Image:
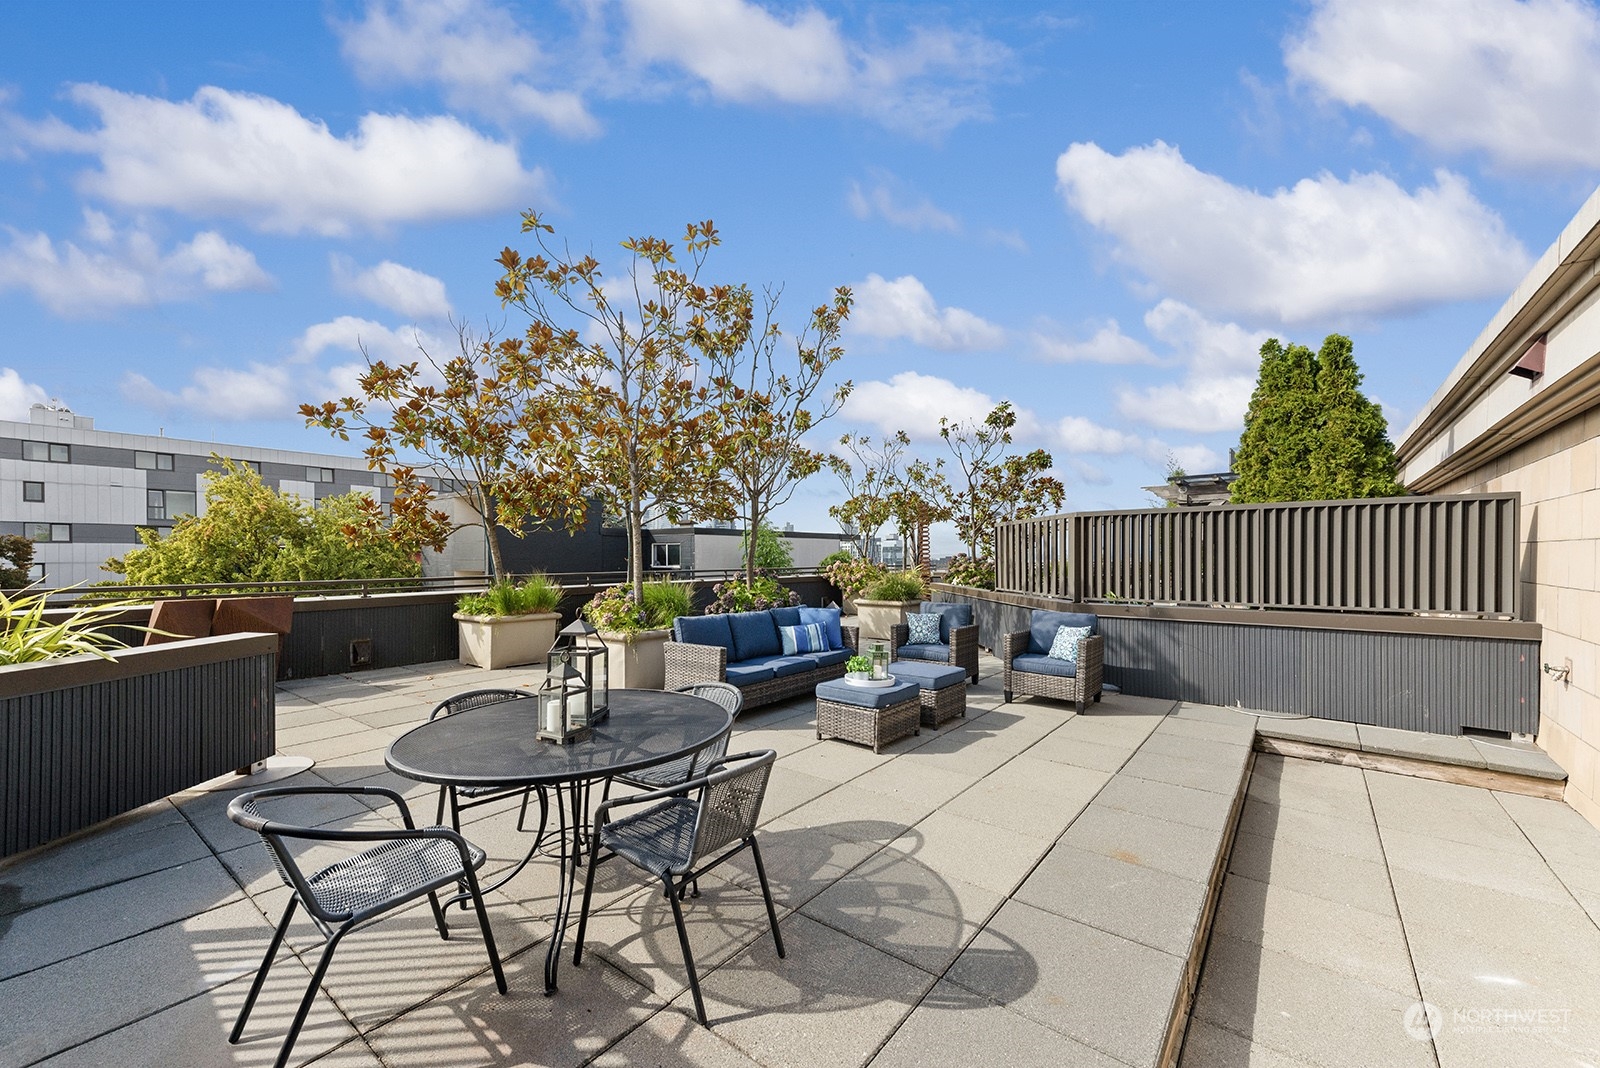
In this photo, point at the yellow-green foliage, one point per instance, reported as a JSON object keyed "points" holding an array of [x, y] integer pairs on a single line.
{"points": [[29, 636]]}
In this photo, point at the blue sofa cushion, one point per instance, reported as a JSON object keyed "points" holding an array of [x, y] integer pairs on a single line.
{"points": [[937, 653], [829, 658], [787, 616], [782, 666], [867, 696], [952, 616], [747, 674], [1039, 664], [927, 676], [1043, 626], [829, 618], [754, 635], [704, 630]]}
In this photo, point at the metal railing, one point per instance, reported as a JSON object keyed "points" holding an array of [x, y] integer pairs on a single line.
{"points": [[1455, 554]]}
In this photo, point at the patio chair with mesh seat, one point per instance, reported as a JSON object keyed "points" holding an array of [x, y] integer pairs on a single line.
{"points": [[713, 816], [451, 796], [676, 772], [399, 866]]}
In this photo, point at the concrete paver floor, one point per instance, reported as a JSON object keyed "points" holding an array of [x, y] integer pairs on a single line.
{"points": [[1370, 918]]}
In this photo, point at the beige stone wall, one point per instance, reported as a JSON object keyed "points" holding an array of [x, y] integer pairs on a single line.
{"points": [[1557, 476]]}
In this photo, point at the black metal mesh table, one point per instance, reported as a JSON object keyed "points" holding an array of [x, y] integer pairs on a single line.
{"points": [[495, 746]]}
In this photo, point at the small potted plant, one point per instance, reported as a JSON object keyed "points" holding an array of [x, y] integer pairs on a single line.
{"points": [[861, 670], [509, 624]]}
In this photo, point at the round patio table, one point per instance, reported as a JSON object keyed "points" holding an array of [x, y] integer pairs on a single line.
{"points": [[494, 745]]}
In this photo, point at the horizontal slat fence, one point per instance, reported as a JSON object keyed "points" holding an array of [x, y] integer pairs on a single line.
{"points": [[1398, 554]]}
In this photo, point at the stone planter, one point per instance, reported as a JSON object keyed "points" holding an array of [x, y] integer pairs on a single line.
{"points": [[507, 641], [637, 661], [879, 618]]}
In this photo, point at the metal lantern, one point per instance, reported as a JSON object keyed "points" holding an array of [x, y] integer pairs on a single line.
{"points": [[591, 661], [564, 706], [880, 661]]}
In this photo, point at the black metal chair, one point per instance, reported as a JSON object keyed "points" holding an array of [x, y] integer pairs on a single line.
{"points": [[399, 867], [483, 795], [676, 772], [683, 826]]}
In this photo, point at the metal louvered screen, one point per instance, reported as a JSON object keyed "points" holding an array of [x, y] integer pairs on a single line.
{"points": [[1400, 554]]}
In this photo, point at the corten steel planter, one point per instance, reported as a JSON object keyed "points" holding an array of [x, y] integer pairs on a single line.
{"points": [[637, 661], [879, 618], [84, 739], [507, 641]]}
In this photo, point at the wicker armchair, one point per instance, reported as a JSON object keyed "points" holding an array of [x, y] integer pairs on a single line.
{"points": [[962, 652], [1088, 671], [713, 816]]}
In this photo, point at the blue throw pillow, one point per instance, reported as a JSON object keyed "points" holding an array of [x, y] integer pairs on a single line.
{"points": [[829, 619], [806, 638], [924, 629], [1065, 646]]}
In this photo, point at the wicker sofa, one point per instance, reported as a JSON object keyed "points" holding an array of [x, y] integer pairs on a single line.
{"points": [[1029, 672], [746, 650], [958, 638]]}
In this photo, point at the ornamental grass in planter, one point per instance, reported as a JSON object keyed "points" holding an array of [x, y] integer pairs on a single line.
{"points": [[883, 605], [509, 624], [636, 630]]}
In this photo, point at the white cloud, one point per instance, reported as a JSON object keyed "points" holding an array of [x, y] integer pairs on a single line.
{"points": [[260, 392], [238, 155], [351, 334], [890, 199], [475, 51], [905, 308], [916, 402], [1198, 459], [114, 269], [1517, 80], [17, 395], [1077, 434], [1108, 345], [1220, 361], [1325, 248], [743, 53], [393, 286]]}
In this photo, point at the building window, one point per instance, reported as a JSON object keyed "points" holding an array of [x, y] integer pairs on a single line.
{"points": [[319, 474], [666, 554], [168, 504], [383, 479], [50, 531], [36, 573], [153, 461], [254, 465], [47, 451], [33, 491]]}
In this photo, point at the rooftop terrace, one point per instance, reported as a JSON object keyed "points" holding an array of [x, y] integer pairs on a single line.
{"points": [[1024, 886]]}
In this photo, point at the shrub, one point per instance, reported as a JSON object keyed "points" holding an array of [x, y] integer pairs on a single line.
{"points": [[536, 593], [765, 592], [616, 610], [666, 600], [854, 574], [897, 586], [30, 637], [965, 571]]}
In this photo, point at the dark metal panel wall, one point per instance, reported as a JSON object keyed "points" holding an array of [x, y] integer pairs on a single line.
{"points": [[418, 632], [1439, 683], [72, 757]]}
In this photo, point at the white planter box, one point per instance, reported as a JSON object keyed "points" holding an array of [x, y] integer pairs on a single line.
{"points": [[507, 641], [638, 661], [879, 618]]}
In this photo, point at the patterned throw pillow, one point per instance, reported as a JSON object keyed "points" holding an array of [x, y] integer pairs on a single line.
{"points": [[1065, 647], [806, 638], [924, 629]]}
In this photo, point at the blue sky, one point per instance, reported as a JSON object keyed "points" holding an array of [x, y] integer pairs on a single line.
{"points": [[1094, 210]]}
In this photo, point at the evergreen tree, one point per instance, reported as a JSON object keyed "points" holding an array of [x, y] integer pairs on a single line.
{"points": [[1309, 433]]}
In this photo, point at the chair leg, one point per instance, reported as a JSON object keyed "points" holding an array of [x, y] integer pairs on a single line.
{"points": [[766, 894], [311, 995], [455, 810], [261, 975], [588, 893], [438, 917], [438, 819], [1005, 697], [488, 934], [688, 957]]}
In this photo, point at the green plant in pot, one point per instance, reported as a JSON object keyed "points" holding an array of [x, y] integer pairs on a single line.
{"points": [[859, 666], [636, 629], [882, 607], [510, 623], [31, 636]]}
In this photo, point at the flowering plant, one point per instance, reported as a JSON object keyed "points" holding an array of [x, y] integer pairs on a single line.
{"points": [[737, 595], [854, 574]]}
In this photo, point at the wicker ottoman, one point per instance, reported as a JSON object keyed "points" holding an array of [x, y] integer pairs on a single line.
{"points": [[941, 689], [872, 716]]}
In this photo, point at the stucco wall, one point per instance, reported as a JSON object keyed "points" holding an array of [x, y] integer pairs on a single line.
{"points": [[1558, 475]]}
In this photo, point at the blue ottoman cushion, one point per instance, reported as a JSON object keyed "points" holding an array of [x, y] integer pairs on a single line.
{"points": [[867, 696], [927, 676]]}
